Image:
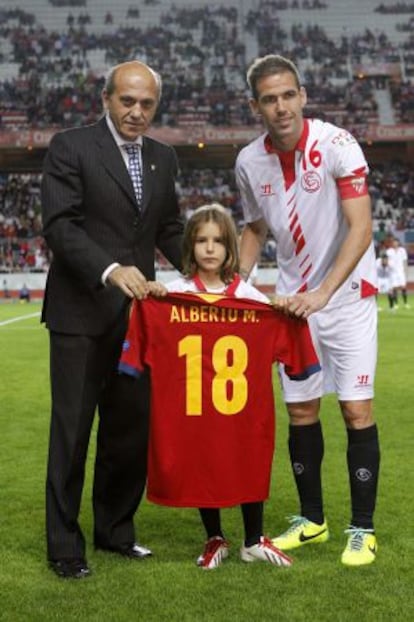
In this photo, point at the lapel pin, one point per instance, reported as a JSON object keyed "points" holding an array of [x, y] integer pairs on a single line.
{"points": [[153, 167]]}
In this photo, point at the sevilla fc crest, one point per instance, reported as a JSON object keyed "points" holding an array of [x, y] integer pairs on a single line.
{"points": [[311, 181]]}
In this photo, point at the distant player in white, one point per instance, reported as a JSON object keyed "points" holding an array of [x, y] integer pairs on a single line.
{"points": [[398, 260], [305, 181], [385, 278]]}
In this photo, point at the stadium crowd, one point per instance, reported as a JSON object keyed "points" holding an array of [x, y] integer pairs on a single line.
{"points": [[22, 247], [202, 53]]}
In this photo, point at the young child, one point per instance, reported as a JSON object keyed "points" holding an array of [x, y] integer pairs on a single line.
{"points": [[212, 412], [211, 264]]}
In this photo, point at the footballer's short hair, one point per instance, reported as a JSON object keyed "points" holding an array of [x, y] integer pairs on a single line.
{"points": [[270, 65]]}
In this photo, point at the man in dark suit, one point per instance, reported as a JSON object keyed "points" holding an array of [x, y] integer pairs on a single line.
{"points": [[103, 237]]}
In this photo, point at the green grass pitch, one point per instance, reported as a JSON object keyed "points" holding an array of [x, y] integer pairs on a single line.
{"points": [[170, 587]]}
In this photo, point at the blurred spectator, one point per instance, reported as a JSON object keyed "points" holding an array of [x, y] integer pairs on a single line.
{"points": [[6, 292], [24, 293]]}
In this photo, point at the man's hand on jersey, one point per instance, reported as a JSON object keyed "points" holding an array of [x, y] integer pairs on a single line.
{"points": [[130, 280], [157, 289], [303, 305]]}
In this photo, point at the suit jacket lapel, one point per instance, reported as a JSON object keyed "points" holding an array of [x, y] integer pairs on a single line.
{"points": [[150, 166], [113, 162]]}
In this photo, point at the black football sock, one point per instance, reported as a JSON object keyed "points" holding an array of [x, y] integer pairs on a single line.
{"points": [[306, 449], [253, 522], [363, 457], [390, 301], [404, 295], [212, 522]]}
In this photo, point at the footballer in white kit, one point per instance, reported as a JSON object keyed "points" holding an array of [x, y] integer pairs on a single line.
{"points": [[398, 260], [304, 181], [385, 274], [385, 279], [327, 162]]}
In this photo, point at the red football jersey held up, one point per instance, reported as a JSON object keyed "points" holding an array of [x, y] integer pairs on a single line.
{"points": [[212, 406]]}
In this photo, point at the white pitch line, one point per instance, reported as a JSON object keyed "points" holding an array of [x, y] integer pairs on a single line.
{"points": [[18, 319]]}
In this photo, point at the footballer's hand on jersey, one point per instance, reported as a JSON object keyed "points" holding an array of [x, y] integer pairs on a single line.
{"points": [[303, 305], [129, 280], [281, 303], [157, 289]]}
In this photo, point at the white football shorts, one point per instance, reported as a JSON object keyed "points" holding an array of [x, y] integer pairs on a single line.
{"points": [[384, 285], [345, 339], [399, 279]]}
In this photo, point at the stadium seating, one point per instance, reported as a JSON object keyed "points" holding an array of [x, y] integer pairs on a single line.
{"points": [[56, 47]]}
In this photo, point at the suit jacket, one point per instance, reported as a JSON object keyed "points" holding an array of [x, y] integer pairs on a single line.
{"points": [[90, 220]]}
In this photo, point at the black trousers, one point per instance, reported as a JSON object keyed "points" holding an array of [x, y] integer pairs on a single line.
{"points": [[84, 379]]}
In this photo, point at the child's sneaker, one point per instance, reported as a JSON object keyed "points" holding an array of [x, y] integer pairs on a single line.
{"points": [[264, 551], [215, 550]]}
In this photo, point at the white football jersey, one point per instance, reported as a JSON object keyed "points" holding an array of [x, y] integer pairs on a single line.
{"points": [[306, 219]]}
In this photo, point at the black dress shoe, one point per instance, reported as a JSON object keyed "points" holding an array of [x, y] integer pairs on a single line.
{"points": [[70, 568], [132, 551]]}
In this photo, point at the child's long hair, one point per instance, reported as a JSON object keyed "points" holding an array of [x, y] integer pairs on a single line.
{"points": [[213, 212]]}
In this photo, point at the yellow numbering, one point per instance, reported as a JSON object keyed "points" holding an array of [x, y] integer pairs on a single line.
{"points": [[229, 387]]}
